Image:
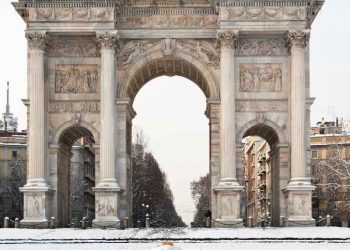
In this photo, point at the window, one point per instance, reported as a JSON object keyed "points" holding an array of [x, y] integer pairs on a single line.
{"points": [[14, 154], [314, 154]]}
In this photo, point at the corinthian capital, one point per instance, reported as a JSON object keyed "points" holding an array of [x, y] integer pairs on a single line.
{"points": [[298, 38], [36, 40], [107, 40], [227, 39]]}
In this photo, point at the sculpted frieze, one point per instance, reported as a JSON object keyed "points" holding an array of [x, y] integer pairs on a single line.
{"points": [[71, 14], [168, 21], [73, 48], [204, 50], [260, 77], [262, 47], [135, 48], [73, 107], [76, 78], [263, 13], [261, 105]]}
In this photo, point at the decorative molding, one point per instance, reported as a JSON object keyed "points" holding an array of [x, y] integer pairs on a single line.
{"points": [[82, 107], [263, 13], [259, 77], [262, 47], [107, 39], [262, 105], [36, 40], [227, 39], [76, 78], [167, 20], [298, 38], [71, 14], [205, 51], [73, 48]]}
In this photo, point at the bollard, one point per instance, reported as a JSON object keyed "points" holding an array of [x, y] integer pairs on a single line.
{"points": [[208, 222], [147, 222], [53, 223], [281, 221], [250, 221], [83, 223], [328, 221], [138, 224], [17, 223], [6, 222], [126, 222]]}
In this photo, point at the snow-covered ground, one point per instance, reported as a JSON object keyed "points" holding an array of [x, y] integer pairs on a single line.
{"points": [[319, 238]]}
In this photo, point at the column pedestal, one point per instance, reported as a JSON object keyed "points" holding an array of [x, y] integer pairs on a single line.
{"points": [[299, 205], [36, 206], [106, 207]]}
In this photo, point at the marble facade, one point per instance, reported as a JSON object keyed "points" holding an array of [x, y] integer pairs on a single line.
{"points": [[88, 60]]}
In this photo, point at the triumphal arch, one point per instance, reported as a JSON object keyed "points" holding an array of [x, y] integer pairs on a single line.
{"points": [[87, 60]]}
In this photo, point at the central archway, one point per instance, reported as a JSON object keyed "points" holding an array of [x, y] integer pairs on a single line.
{"points": [[147, 68]]}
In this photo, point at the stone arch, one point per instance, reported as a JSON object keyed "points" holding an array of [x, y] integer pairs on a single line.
{"points": [[70, 124], [275, 138], [70, 172], [156, 64], [272, 135]]}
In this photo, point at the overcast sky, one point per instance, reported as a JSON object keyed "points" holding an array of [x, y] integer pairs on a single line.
{"points": [[171, 110]]}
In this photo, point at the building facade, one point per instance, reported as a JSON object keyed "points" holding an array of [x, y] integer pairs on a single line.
{"points": [[88, 60]]}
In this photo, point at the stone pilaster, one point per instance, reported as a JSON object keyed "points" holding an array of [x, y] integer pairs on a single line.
{"points": [[228, 190], [299, 189], [107, 189], [37, 193]]}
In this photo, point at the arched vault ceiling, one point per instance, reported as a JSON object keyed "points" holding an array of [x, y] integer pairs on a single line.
{"points": [[71, 134], [168, 67], [263, 131]]}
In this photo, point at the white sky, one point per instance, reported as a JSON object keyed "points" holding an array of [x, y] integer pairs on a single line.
{"points": [[171, 110]]}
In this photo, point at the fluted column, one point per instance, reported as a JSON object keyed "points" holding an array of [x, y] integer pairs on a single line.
{"points": [[37, 193], [226, 210], [297, 42], [228, 41], [107, 207], [37, 143], [108, 109], [299, 190]]}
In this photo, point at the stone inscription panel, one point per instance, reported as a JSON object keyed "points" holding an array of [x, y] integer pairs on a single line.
{"points": [[258, 77], [82, 107], [76, 78], [262, 106]]}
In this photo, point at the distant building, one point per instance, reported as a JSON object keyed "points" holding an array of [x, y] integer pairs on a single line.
{"points": [[321, 142], [257, 176], [8, 122]]}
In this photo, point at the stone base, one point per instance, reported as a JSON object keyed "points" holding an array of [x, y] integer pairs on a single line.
{"points": [[300, 222], [228, 199], [106, 210], [37, 205], [106, 224], [34, 224], [227, 223], [298, 196]]}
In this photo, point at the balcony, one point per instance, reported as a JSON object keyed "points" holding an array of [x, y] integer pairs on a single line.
{"points": [[262, 170]]}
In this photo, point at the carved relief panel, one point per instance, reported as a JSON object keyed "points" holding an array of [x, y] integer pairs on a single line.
{"points": [[73, 48], [76, 78], [258, 77], [262, 47]]}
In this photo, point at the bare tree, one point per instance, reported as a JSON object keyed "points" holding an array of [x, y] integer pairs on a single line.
{"points": [[332, 178], [200, 194], [11, 198]]}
